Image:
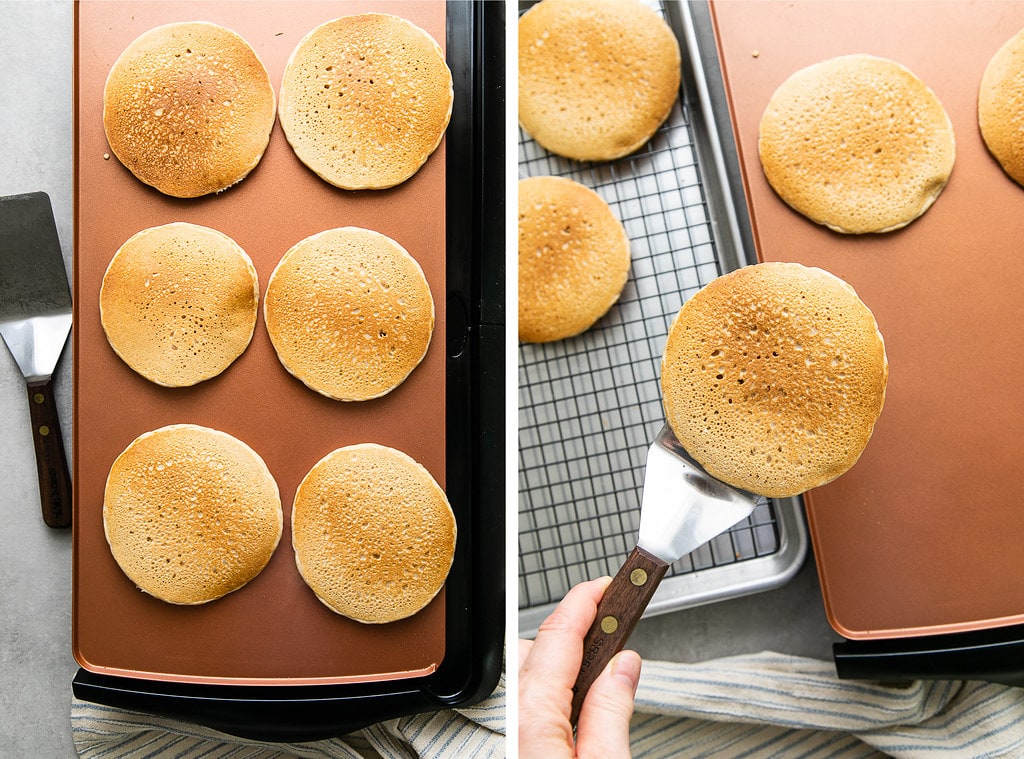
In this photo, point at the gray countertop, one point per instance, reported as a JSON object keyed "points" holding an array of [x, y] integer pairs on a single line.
{"points": [[36, 664]]}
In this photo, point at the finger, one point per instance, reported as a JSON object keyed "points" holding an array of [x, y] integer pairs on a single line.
{"points": [[524, 650], [603, 728], [548, 670], [558, 649]]}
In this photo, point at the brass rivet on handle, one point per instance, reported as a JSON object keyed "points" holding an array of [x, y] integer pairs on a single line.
{"points": [[38, 398], [609, 624], [44, 430], [638, 577]]}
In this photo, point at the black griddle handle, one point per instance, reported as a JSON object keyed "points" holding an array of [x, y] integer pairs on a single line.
{"points": [[995, 655], [289, 714]]}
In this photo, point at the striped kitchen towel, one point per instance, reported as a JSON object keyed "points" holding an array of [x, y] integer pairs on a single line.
{"points": [[476, 732], [745, 707], [772, 705]]}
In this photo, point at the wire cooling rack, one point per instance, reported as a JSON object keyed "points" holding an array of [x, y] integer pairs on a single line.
{"points": [[589, 406]]}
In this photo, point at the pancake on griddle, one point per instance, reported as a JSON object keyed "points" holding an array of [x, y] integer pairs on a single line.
{"points": [[349, 313], [596, 77], [191, 513], [857, 143], [179, 302], [373, 533], [188, 108], [573, 258], [773, 377], [365, 100], [1001, 106]]}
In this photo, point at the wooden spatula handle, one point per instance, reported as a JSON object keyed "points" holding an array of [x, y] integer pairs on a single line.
{"points": [[618, 612], [51, 461]]}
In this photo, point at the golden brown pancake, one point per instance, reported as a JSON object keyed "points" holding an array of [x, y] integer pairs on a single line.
{"points": [[373, 533], [349, 313], [573, 258], [596, 77], [773, 377], [1001, 106], [179, 302], [857, 143], [365, 100], [191, 513], [188, 108]]}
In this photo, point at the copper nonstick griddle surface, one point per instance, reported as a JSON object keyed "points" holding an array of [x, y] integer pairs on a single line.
{"points": [[273, 630], [924, 534]]}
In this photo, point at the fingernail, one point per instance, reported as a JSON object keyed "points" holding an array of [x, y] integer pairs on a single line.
{"points": [[626, 666]]}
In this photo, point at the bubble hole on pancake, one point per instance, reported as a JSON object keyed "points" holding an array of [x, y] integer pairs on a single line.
{"points": [[191, 513], [179, 303], [373, 533], [188, 108], [773, 377], [856, 143], [365, 100]]}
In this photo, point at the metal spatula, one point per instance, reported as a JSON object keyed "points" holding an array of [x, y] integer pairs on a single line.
{"points": [[35, 319], [682, 508]]}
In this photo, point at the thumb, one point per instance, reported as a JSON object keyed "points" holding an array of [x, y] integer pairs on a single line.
{"points": [[603, 728]]}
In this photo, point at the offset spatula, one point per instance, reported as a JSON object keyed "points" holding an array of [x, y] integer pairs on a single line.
{"points": [[35, 319], [682, 508]]}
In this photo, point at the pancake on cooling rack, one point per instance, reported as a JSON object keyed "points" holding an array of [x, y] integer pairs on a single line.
{"points": [[573, 258], [596, 77]]}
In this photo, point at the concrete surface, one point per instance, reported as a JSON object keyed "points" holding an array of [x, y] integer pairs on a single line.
{"points": [[36, 665]]}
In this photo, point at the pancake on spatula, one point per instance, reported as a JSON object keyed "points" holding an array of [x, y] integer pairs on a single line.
{"points": [[1001, 106], [179, 302], [596, 77], [373, 533], [773, 377], [365, 100], [349, 313], [573, 258], [856, 143], [191, 513], [188, 108]]}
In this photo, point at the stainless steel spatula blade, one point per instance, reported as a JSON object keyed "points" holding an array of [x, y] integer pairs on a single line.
{"points": [[35, 319], [682, 508]]}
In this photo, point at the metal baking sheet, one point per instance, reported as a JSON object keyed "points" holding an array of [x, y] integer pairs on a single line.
{"points": [[923, 535], [589, 406], [273, 630]]}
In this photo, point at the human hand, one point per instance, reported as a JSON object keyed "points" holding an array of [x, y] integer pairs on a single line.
{"points": [[547, 671]]}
